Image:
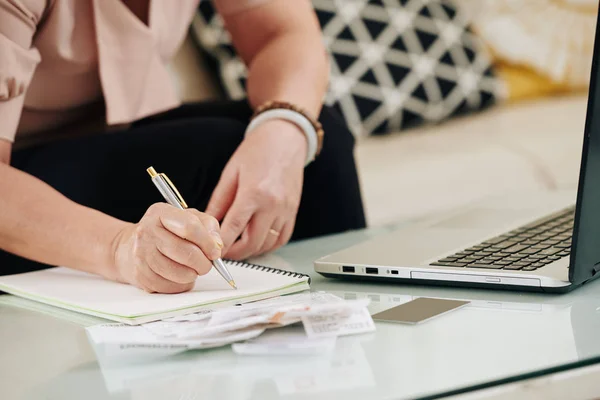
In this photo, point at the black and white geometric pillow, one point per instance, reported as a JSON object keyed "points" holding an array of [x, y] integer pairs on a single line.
{"points": [[394, 63]]}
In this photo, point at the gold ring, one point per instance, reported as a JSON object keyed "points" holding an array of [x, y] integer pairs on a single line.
{"points": [[274, 232]]}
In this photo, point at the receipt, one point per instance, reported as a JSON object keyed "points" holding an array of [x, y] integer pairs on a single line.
{"points": [[324, 316], [198, 316], [300, 301], [287, 310], [174, 329], [357, 321], [122, 339], [199, 331]]}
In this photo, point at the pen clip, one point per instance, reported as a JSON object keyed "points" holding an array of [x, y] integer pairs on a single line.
{"points": [[175, 191]]}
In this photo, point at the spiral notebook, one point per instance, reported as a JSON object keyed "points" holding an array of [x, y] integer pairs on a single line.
{"points": [[93, 295]]}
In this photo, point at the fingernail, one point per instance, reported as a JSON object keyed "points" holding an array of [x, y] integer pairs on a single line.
{"points": [[215, 253], [218, 240]]}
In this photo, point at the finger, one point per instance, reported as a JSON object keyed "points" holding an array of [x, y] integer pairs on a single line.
{"points": [[286, 233], [171, 270], [236, 220], [273, 236], [223, 196], [183, 252], [211, 224], [186, 225], [237, 250], [154, 283], [254, 237]]}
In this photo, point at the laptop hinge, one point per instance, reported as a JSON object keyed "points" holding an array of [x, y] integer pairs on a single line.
{"points": [[596, 268]]}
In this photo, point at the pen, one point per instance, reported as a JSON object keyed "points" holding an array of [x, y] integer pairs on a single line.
{"points": [[172, 196]]}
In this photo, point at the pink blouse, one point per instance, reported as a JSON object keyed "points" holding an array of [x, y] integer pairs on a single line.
{"points": [[61, 59]]}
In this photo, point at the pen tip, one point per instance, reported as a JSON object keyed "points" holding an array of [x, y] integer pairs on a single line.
{"points": [[232, 284]]}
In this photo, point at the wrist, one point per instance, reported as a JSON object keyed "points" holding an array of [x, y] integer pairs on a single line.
{"points": [[294, 136], [286, 137], [311, 128], [111, 248]]}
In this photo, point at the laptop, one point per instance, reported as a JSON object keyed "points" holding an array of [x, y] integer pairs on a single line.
{"points": [[540, 241]]}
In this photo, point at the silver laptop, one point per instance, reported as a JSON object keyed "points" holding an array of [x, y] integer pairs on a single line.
{"points": [[544, 241]]}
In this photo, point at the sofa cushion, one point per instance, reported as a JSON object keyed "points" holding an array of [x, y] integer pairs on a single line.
{"points": [[192, 77], [526, 146], [395, 64]]}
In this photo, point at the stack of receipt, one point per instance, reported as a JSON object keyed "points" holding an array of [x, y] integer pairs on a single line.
{"points": [[324, 317]]}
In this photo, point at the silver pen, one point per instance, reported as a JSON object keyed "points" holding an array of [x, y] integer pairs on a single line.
{"points": [[172, 196]]}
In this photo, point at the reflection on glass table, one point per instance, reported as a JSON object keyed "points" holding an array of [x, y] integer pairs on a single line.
{"points": [[497, 336], [561, 328], [217, 374]]}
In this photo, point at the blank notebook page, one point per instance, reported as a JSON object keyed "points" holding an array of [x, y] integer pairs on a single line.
{"points": [[92, 294]]}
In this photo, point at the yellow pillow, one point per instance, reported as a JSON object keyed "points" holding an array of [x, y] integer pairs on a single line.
{"points": [[540, 47]]}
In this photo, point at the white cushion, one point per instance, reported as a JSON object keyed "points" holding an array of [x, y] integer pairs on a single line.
{"points": [[525, 146]]}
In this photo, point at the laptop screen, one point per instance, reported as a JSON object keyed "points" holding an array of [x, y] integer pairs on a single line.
{"points": [[585, 255]]}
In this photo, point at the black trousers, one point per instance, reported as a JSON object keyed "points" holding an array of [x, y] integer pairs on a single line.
{"points": [[192, 144]]}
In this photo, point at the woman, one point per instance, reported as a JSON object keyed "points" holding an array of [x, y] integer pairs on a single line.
{"points": [[86, 105]]}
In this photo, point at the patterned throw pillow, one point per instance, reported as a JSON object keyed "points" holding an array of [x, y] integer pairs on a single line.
{"points": [[395, 63]]}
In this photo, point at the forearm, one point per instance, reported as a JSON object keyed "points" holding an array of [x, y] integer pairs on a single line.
{"points": [[291, 67], [39, 223], [281, 43]]}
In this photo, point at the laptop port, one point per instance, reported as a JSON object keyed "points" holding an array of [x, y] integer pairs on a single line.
{"points": [[373, 271], [394, 272], [347, 269]]}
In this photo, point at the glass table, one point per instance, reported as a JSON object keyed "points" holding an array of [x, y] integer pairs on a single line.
{"points": [[499, 336]]}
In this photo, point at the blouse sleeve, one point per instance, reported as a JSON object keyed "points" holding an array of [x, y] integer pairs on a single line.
{"points": [[18, 59], [233, 6]]}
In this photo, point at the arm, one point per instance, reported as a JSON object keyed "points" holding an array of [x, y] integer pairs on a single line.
{"points": [[258, 196], [281, 43], [36, 221], [39, 223], [164, 252]]}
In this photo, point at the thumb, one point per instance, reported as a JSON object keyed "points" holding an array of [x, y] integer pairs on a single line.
{"points": [[223, 196]]}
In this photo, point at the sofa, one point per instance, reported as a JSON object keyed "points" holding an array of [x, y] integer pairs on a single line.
{"points": [[533, 145]]}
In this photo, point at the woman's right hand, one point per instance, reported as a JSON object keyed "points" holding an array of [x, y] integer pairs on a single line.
{"points": [[167, 250]]}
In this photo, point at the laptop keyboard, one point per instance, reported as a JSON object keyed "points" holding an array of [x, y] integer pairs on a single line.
{"points": [[527, 248]]}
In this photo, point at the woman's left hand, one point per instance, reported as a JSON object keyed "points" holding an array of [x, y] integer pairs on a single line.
{"points": [[259, 192]]}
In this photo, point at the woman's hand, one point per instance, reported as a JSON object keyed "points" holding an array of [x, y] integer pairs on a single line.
{"points": [[259, 192], [167, 250]]}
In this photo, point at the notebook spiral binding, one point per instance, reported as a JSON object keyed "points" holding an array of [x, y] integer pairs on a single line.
{"points": [[270, 270]]}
